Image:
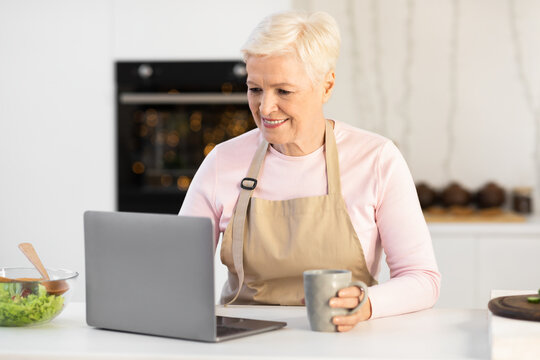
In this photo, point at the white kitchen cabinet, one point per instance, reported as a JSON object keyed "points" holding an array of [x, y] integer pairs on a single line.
{"points": [[476, 258], [455, 257]]}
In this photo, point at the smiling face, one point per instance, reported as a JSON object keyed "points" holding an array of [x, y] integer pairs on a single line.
{"points": [[286, 106]]}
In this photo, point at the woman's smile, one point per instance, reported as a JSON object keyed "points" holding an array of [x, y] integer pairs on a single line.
{"points": [[272, 123]]}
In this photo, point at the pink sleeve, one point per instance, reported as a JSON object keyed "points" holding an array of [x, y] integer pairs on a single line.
{"points": [[414, 277], [200, 197]]}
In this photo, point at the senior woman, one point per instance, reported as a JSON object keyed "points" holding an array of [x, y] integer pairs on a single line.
{"points": [[303, 192]]}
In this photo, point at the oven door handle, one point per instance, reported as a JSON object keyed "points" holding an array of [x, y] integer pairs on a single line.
{"points": [[191, 98]]}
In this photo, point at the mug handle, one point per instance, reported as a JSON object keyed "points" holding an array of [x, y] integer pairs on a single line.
{"points": [[364, 288]]}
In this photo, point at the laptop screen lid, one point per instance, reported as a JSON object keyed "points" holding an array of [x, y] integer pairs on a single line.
{"points": [[150, 273]]}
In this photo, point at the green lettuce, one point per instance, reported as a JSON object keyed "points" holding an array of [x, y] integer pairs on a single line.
{"points": [[28, 303]]}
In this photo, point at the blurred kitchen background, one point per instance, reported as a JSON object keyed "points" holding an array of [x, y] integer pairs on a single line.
{"points": [[454, 83]]}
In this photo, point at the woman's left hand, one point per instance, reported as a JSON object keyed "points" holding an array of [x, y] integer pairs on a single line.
{"points": [[349, 298]]}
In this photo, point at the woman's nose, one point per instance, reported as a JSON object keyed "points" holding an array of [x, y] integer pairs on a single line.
{"points": [[268, 104]]}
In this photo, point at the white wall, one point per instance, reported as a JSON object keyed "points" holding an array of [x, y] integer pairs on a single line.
{"points": [[57, 117], [172, 29], [57, 104]]}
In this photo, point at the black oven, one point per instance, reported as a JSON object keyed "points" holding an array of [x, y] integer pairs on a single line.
{"points": [[169, 117]]}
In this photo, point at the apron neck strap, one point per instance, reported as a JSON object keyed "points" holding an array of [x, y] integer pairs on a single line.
{"points": [[258, 158], [247, 185], [332, 161]]}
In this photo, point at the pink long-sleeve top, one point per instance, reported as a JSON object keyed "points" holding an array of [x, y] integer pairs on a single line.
{"points": [[377, 187]]}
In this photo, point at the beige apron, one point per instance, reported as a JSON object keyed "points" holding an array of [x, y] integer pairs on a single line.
{"points": [[268, 244]]}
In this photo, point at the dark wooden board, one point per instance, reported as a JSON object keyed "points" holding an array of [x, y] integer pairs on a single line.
{"points": [[515, 307]]}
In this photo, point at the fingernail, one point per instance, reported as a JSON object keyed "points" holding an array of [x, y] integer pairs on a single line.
{"points": [[332, 302], [337, 320]]}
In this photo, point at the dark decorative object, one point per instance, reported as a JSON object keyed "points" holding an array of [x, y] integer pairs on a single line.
{"points": [[426, 195], [455, 195], [491, 195], [522, 200]]}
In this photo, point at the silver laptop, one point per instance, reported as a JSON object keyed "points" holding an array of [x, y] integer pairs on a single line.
{"points": [[154, 274]]}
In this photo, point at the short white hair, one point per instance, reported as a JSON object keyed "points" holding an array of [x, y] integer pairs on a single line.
{"points": [[312, 37]]}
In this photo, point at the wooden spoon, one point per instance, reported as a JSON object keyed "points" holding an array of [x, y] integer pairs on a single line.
{"points": [[56, 287], [9, 280]]}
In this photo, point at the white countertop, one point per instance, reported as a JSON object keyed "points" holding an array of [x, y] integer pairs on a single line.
{"points": [[514, 339], [429, 334]]}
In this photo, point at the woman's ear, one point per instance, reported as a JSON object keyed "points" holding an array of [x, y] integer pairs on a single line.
{"points": [[328, 84]]}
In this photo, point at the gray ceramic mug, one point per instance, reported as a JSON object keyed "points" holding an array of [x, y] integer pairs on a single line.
{"points": [[322, 285]]}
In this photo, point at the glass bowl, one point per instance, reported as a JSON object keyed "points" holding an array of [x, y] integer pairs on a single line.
{"points": [[29, 302]]}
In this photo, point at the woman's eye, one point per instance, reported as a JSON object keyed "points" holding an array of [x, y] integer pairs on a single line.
{"points": [[254, 90], [284, 92]]}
